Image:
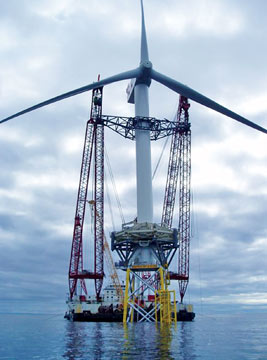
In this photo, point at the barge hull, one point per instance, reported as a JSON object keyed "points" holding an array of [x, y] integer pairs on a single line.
{"points": [[117, 317]]}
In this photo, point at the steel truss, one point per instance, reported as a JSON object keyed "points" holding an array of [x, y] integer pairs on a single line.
{"points": [[180, 167], [126, 126], [184, 200], [99, 190], [161, 240], [161, 307], [94, 142]]}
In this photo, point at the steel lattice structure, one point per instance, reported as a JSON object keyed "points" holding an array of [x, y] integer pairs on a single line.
{"points": [[127, 126], [76, 258], [99, 192], [94, 141], [184, 198], [180, 167], [172, 177]]}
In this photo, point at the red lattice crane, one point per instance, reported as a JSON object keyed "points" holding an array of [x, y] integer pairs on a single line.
{"points": [[180, 167], [93, 150]]}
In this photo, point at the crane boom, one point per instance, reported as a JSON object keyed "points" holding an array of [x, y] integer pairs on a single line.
{"points": [[184, 198], [172, 177], [180, 167], [94, 140], [109, 260], [76, 259], [112, 271], [99, 190]]}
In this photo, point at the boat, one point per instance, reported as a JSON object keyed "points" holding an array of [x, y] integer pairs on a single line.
{"points": [[109, 308]]}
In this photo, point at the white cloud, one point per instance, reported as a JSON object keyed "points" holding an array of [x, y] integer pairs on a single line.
{"points": [[199, 18], [242, 298], [209, 45], [60, 179], [9, 37], [72, 143], [258, 245]]}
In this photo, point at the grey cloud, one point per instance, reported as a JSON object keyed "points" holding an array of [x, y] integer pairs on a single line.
{"points": [[57, 53]]}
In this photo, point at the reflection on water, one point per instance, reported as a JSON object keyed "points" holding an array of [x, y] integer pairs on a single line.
{"points": [[217, 337], [186, 346], [75, 341], [131, 341], [99, 341], [164, 340]]}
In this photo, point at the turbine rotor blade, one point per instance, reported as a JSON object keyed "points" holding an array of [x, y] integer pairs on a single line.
{"points": [[201, 99], [144, 47], [122, 76]]}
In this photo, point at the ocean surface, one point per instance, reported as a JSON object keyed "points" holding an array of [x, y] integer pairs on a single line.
{"points": [[213, 337]]}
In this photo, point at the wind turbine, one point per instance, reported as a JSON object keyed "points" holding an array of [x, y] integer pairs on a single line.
{"points": [[143, 76]]}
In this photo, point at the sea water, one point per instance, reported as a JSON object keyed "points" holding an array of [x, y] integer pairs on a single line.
{"points": [[213, 337]]}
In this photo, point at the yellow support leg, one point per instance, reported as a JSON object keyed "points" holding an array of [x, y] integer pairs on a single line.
{"points": [[156, 306], [125, 303], [132, 290], [162, 287], [174, 307], [168, 311], [165, 303]]}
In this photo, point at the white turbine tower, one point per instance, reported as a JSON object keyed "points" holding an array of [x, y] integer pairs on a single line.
{"points": [[143, 148]]}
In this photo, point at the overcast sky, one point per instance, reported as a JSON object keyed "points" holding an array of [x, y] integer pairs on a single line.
{"points": [[217, 47]]}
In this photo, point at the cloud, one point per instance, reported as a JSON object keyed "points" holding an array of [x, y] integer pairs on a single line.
{"points": [[51, 47]]}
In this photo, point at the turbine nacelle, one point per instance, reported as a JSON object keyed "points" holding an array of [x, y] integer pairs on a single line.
{"points": [[144, 76]]}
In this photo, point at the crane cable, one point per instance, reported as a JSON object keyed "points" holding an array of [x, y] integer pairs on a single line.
{"points": [[195, 234], [160, 157], [164, 145], [114, 186], [109, 203]]}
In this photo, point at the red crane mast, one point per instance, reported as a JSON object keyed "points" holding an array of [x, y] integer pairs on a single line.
{"points": [[94, 143], [180, 167], [99, 192]]}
